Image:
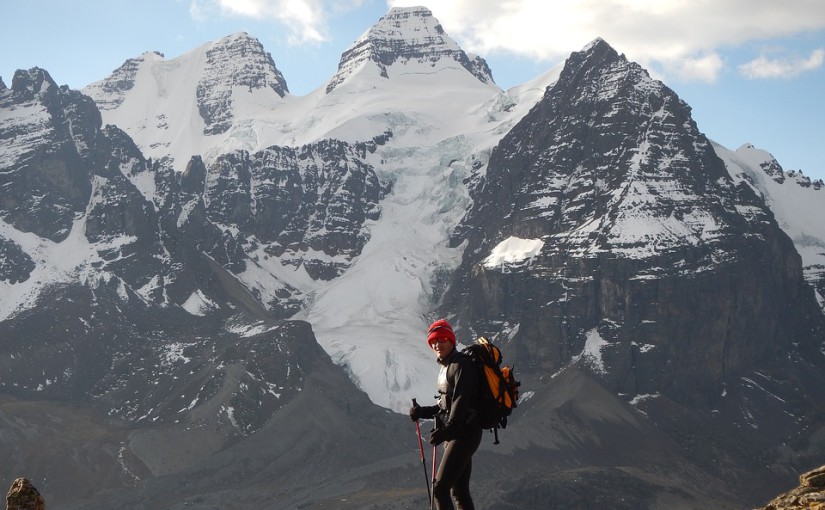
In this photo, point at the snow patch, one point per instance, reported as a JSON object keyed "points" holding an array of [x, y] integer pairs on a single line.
{"points": [[198, 304], [592, 352], [174, 353], [513, 250], [250, 330], [638, 399], [527, 395]]}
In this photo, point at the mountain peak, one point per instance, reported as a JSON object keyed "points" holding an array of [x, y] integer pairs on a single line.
{"points": [[606, 125], [595, 45], [110, 92], [241, 36], [228, 78], [32, 82], [243, 59], [406, 35], [598, 73], [597, 53], [237, 60]]}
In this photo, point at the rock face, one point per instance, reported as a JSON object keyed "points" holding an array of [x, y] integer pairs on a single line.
{"points": [[295, 202], [46, 178], [15, 265], [388, 42], [796, 200], [810, 495]]}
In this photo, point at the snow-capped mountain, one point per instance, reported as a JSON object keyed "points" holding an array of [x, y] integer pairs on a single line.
{"points": [[404, 83], [277, 220], [411, 37], [177, 108], [175, 267], [228, 95], [626, 216]]}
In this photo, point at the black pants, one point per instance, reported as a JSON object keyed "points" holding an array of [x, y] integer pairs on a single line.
{"points": [[454, 472]]}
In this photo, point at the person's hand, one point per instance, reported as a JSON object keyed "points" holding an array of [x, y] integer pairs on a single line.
{"points": [[438, 436], [415, 412]]}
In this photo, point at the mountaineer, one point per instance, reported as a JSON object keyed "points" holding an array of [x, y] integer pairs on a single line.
{"points": [[456, 420]]}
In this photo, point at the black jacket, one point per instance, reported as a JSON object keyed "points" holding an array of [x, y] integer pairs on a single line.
{"points": [[458, 393]]}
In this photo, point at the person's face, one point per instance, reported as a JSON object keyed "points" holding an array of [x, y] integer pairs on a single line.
{"points": [[442, 347]]}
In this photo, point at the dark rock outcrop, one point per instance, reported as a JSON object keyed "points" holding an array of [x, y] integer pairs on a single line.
{"points": [[24, 496], [313, 199], [810, 495], [15, 264], [49, 147], [164, 235]]}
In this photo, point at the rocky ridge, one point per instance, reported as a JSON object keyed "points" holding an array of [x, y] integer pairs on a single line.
{"points": [[46, 182]]}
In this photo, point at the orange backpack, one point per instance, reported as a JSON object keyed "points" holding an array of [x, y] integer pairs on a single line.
{"points": [[498, 388]]}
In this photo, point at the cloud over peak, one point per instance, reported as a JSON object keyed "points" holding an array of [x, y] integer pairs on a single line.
{"points": [[682, 38], [789, 67]]}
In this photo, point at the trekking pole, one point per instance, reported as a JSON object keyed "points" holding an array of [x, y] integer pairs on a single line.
{"points": [[435, 454], [432, 498], [423, 462]]}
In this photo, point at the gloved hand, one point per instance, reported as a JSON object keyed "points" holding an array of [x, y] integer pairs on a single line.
{"points": [[438, 436], [415, 412]]}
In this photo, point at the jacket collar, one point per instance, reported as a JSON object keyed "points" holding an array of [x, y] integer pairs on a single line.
{"points": [[450, 357]]}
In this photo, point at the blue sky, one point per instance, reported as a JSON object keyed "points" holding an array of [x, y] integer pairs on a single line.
{"points": [[752, 70]]}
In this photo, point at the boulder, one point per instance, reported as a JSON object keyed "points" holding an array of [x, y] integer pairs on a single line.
{"points": [[810, 495], [24, 496]]}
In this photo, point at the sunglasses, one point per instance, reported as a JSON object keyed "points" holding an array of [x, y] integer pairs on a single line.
{"points": [[439, 340]]}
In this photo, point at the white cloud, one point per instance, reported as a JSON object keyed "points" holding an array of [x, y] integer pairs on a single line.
{"points": [[682, 36], [704, 68], [306, 20], [764, 67], [199, 9]]}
